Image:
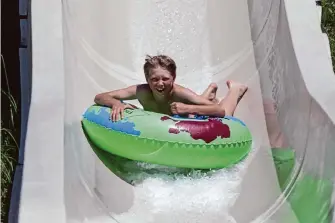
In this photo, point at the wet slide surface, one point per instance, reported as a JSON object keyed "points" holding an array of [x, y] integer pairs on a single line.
{"points": [[82, 48]]}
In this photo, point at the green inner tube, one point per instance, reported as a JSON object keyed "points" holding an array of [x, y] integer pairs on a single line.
{"points": [[160, 139]]}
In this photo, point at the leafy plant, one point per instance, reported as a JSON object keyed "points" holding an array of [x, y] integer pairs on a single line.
{"points": [[9, 145], [328, 24]]}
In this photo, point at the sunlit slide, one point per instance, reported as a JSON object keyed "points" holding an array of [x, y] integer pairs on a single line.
{"points": [[272, 161]]}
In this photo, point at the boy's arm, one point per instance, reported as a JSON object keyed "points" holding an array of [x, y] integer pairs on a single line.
{"points": [[189, 96], [113, 97], [208, 110]]}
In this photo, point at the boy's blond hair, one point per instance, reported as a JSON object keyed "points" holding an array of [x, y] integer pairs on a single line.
{"points": [[162, 61]]}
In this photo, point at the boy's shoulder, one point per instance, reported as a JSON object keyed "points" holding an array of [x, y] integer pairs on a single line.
{"points": [[144, 95], [143, 88]]}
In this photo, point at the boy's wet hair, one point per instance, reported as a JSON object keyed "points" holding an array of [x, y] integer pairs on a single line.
{"points": [[162, 61]]}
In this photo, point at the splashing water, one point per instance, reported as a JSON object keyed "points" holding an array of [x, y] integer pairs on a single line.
{"points": [[166, 194]]}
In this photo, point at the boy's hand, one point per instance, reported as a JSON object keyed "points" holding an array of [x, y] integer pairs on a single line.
{"points": [[118, 109], [178, 108]]}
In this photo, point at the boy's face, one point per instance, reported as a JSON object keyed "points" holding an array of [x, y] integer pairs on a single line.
{"points": [[160, 81]]}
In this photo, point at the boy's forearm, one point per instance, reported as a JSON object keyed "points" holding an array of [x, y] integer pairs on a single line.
{"points": [[113, 97], [210, 110], [106, 100], [203, 101]]}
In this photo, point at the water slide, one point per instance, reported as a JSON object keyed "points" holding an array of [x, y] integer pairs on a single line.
{"points": [[80, 48]]}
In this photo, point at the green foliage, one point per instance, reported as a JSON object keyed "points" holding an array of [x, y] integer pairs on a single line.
{"points": [[328, 24], [9, 145]]}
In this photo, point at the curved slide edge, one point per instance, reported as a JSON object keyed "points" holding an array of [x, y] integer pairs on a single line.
{"points": [[318, 172], [298, 83]]}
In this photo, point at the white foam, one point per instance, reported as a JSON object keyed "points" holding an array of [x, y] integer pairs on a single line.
{"points": [[192, 196]]}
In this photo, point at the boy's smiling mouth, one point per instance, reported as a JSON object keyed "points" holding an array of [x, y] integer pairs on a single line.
{"points": [[160, 90]]}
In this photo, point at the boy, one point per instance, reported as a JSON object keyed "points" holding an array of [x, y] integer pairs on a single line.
{"points": [[162, 95]]}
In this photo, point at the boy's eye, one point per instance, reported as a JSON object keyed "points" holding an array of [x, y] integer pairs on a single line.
{"points": [[154, 79], [165, 79]]}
